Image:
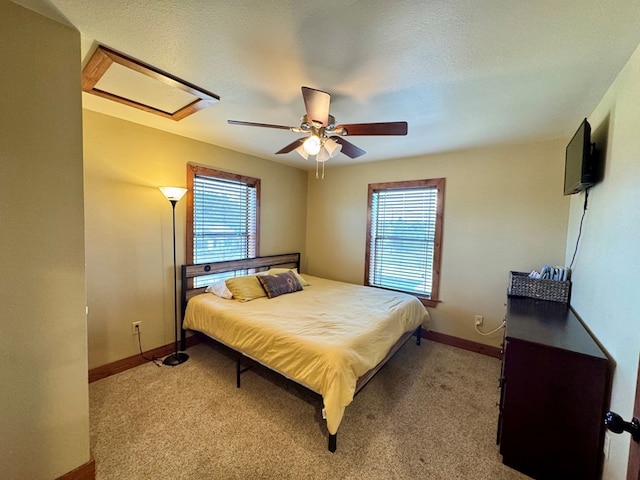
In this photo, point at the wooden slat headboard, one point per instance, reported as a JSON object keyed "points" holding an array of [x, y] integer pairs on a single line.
{"points": [[189, 272]]}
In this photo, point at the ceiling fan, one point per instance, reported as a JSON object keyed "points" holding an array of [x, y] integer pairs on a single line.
{"points": [[325, 137]]}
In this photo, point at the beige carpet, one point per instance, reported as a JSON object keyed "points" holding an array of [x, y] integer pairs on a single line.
{"points": [[430, 413]]}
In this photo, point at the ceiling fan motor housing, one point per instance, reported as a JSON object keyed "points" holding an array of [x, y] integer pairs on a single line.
{"points": [[306, 124]]}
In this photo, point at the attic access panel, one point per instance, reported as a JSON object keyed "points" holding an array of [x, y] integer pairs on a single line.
{"points": [[114, 76]]}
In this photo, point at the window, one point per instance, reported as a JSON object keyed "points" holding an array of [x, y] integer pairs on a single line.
{"points": [[404, 235], [222, 217]]}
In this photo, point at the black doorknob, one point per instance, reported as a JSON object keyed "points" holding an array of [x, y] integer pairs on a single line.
{"points": [[616, 424]]}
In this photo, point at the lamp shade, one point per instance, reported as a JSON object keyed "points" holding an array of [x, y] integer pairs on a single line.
{"points": [[173, 194], [312, 145], [302, 152], [332, 147]]}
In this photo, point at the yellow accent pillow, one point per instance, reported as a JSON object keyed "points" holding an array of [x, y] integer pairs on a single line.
{"points": [[245, 288]]}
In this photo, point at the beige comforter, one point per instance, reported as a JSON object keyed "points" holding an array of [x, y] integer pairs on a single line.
{"points": [[324, 337]]}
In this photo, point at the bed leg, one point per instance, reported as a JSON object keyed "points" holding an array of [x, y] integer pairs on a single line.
{"points": [[418, 335], [240, 370], [332, 442]]}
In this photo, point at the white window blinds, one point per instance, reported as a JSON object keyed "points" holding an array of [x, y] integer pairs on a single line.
{"points": [[224, 220], [402, 239]]}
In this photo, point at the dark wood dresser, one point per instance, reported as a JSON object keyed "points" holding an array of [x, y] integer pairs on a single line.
{"points": [[554, 390]]}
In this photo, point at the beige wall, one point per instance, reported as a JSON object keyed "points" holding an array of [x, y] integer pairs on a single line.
{"points": [[503, 210], [44, 392], [128, 226], [605, 281]]}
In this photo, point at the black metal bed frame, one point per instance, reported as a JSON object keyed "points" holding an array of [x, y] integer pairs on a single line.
{"points": [[189, 272]]}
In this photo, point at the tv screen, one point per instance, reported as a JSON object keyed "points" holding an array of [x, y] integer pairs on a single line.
{"points": [[579, 169]]}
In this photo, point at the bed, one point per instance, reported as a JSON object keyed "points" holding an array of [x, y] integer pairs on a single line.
{"points": [[331, 337]]}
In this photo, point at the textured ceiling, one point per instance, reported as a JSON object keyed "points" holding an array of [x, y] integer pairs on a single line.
{"points": [[462, 73]]}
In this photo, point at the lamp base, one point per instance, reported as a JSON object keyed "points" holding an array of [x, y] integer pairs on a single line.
{"points": [[175, 359]]}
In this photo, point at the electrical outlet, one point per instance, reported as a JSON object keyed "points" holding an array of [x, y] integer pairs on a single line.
{"points": [[135, 327], [479, 320]]}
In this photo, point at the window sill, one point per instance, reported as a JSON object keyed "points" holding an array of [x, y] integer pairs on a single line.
{"points": [[427, 302]]}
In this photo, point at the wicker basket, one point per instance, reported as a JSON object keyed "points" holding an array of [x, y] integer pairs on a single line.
{"points": [[521, 285]]}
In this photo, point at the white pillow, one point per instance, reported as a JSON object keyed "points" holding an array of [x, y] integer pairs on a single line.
{"points": [[219, 288], [301, 279]]}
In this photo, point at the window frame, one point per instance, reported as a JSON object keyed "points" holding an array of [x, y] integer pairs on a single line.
{"points": [[197, 170], [439, 185]]}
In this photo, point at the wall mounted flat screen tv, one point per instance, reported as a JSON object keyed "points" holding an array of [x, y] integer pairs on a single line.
{"points": [[581, 161]]}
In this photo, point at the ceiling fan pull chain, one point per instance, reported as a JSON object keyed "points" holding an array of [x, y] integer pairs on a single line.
{"points": [[317, 163]]}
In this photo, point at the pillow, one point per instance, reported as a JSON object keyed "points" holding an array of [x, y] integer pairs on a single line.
{"points": [[245, 288], [279, 284], [301, 279], [219, 288]]}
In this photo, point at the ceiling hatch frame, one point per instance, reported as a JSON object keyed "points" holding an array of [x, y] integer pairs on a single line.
{"points": [[104, 58]]}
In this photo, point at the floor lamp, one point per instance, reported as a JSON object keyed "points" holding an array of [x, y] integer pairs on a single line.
{"points": [[174, 194]]}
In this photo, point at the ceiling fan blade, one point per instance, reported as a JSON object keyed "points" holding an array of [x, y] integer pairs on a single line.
{"points": [[316, 102], [348, 148], [253, 124], [292, 146], [383, 128]]}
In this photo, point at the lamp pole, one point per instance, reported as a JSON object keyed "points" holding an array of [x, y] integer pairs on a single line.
{"points": [[174, 194]]}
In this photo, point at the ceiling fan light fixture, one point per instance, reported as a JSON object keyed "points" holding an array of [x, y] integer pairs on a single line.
{"points": [[312, 145], [302, 152], [323, 155], [332, 147]]}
